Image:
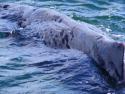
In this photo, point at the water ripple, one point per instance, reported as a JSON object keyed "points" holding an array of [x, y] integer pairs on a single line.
{"points": [[29, 67]]}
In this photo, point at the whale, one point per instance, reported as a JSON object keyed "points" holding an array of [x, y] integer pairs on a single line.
{"points": [[57, 30]]}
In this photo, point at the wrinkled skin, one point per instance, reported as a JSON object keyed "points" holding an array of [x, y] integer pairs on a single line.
{"points": [[59, 31]]}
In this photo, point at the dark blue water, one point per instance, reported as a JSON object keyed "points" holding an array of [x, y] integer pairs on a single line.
{"points": [[29, 67]]}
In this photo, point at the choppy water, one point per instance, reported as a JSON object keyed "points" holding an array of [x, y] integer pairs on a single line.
{"points": [[32, 68]]}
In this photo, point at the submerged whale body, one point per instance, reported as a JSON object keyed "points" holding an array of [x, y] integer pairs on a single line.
{"points": [[59, 31]]}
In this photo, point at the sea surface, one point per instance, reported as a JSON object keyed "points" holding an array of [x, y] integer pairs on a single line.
{"points": [[29, 67]]}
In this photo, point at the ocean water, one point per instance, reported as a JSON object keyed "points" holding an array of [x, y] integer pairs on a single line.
{"points": [[29, 67]]}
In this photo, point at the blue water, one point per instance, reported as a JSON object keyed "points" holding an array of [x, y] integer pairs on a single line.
{"points": [[29, 67]]}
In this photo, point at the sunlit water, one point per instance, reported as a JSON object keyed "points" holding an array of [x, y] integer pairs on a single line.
{"points": [[29, 67]]}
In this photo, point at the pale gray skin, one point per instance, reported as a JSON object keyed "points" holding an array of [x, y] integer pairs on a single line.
{"points": [[59, 31]]}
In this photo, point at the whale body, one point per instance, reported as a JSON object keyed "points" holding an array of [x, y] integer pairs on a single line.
{"points": [[60, 31]]}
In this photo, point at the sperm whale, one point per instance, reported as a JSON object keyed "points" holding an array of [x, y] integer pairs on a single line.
{"points": [[60, 31]]}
